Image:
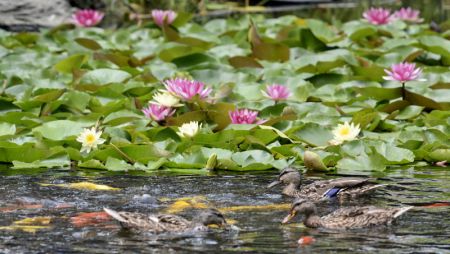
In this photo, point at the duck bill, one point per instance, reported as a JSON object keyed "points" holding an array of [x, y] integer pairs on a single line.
{"points": [[273, 184], [289, 217]]}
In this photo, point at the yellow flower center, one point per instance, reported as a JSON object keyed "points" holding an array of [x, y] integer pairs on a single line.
{"points": [[344, 131], [90, 138]]}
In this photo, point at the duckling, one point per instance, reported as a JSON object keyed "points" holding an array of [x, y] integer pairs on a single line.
{"points": [[321, 190], [344, 218], [159, 223]]}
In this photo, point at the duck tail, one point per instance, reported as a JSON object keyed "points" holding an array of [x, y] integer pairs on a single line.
{"points": [[402, 210], [114, 214], [372, 187]]}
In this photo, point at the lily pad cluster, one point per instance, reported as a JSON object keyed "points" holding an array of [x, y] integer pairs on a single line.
{"points": [[296, 80]]}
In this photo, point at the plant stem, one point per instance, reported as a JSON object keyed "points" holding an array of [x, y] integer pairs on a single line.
{"points": [[403, 91], [131, 161]]}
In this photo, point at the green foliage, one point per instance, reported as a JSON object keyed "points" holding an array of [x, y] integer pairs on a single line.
{"points": [[81, 78]]}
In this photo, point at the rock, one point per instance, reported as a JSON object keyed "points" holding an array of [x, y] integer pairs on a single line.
{"points": [[30, 15]]}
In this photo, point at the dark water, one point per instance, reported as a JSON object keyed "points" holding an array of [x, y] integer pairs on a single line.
{"points": [[425, 229]]}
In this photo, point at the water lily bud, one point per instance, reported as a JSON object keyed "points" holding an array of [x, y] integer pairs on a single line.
{"points": [[313, 161], [212, 162]]}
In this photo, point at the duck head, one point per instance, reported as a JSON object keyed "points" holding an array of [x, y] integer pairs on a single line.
{"points": [[287, 176], [211, 217], [301, 206]]}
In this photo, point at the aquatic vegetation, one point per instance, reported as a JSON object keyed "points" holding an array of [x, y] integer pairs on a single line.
{"points": [[87, 18], [408, 14], [158, 112], [344, 132], [186, 89], [90, 139], [161, 17], [378, 16], [276, 92], [145, 86], [403, 72], [166, 99], [189, 130], [243, 116]]}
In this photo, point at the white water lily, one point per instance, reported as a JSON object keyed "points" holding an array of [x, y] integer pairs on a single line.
{"points": [[90, 139], [166, 99], [189, 130], [344, 132]]}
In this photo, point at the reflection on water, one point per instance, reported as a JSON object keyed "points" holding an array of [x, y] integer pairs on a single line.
{"points": [[78, 225]]}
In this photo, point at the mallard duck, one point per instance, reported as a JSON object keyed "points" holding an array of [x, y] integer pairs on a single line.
{"points": [[320, 190], [158, 223], [344, 218]]}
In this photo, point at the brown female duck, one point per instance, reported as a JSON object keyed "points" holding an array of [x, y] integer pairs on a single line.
{"points": [[344, 218], [320, 190], [159, 223]]}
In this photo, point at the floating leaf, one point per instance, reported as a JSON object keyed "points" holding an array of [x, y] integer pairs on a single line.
{"points": [[58, 162], [313, 134], [104, 76], [60, 129], [266, 51], [71, 63], [88, 43], [7, 129]]}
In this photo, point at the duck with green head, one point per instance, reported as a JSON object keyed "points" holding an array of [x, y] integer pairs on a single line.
{"points": [[321, 190]]}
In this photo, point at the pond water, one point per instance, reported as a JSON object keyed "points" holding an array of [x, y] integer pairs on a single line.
{"points": [[243, 198]]}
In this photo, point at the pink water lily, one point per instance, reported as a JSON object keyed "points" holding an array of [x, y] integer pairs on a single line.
{"points": [[378, 16], [408, 14], [243, 116], [158, 112], [186, 89], [87, 17], [403, 72], [277, 92], [161, 16]]}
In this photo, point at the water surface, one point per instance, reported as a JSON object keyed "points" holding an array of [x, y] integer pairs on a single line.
{"points": [[425, 229]]}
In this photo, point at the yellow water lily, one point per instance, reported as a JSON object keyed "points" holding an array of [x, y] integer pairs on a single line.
{"points": [[90, 139], [344, 132]]}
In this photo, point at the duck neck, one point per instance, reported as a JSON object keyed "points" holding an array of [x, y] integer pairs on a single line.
{"points": [[291, 190]]}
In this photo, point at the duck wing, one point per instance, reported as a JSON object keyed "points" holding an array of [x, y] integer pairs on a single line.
{"points": [[351, 186], [173, 222], [358, 217], [314, 191], [136, 220]]}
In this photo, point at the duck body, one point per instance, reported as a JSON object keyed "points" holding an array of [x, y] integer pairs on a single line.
{"points": [[324, 189], [345, 218], [159, 223]]}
